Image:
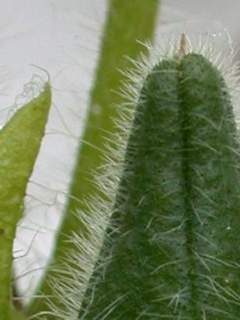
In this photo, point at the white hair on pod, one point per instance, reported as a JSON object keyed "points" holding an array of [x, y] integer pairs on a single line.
{"points": [[72, 276]]}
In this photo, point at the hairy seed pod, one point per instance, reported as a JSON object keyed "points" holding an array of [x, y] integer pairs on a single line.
{"points": [[172, 247]]}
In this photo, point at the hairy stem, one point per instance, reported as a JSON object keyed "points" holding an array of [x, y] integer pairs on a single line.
{"points": [[127, 21]]}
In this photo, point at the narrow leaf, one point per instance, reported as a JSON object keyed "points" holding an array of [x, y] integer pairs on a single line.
{"points": [[20, 141]]}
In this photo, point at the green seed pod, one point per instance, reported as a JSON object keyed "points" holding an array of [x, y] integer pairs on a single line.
{"points": [[171, 249]]}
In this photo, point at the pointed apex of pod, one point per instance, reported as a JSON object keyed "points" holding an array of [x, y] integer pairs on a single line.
{"points": [[183, 46]]}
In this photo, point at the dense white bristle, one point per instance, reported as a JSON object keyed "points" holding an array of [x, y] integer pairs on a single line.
{"points": [[73, 274]]}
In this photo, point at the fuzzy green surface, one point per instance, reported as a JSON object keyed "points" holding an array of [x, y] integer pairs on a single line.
{"points": [[126, 22], [17, 315], [172, 247], [20, 140]]}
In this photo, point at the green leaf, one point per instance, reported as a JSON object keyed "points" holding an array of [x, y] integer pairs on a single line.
{"points": [[20, 140]]}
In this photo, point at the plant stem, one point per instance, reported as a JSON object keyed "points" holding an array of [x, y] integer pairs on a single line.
{"points": [[127, 21]]}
